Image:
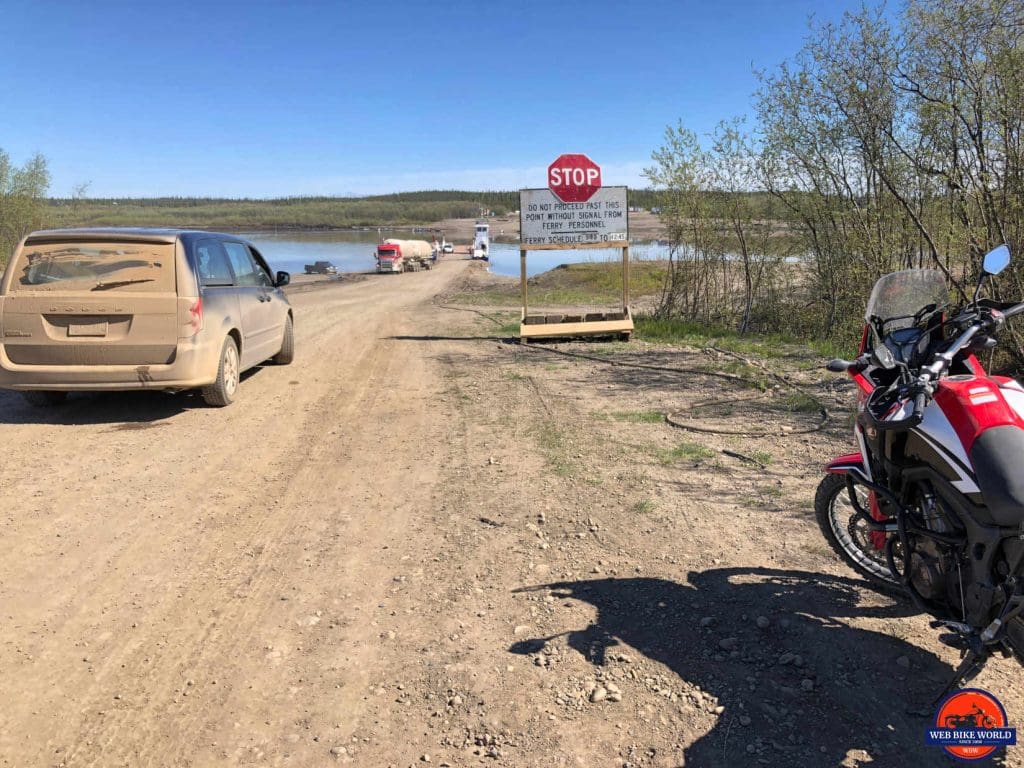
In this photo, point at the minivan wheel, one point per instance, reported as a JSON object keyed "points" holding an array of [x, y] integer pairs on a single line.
{"points": [[287, 353], [222, 391], [44, 399]]}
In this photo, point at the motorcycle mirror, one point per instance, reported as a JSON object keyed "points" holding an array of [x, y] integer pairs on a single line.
{"points": [[883, 357], [996, 260]]}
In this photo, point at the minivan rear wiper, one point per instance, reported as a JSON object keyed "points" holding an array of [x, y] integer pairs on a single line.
{"points": [[118, 283]]}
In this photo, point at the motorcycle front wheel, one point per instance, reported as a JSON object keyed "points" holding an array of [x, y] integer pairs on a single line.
{"points": [[848, 533]]}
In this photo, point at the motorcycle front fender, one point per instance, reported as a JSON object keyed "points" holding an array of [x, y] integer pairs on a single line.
{"points": [[853, 463], [845, 464]]}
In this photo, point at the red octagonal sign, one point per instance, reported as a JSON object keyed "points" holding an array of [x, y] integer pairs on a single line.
{"points": [[574, 178]]}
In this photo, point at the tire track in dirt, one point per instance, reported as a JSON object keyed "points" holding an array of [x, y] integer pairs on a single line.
{"points": [[242, 585]]}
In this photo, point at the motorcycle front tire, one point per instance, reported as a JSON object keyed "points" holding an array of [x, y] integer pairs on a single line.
{"points": [[835, 515]]}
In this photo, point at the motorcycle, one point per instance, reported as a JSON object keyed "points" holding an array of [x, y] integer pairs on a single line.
{"points": [[976, 718], [932, 504]]}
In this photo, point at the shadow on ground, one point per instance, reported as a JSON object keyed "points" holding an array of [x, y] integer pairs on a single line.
{"points": [[123, 408], [135, 409], [860, 697], [497, 338]]}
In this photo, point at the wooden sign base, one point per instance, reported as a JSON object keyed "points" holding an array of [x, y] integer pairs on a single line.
{"points": [[615, 325]]}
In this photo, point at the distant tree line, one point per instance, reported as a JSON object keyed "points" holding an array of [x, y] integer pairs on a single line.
{"points": [[881, 145], [283, 213], [321, 212]]}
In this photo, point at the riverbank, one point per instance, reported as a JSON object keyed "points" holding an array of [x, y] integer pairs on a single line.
{"points": [[454, 219]]}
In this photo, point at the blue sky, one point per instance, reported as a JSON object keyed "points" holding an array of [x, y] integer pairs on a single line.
{"points": [[267, 99]]}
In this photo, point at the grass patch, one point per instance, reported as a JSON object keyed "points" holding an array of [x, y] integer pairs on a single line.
{"points": [[685, 451], [677, 331], [751, 376], [498, 324], [632, 478], [639, 417], [762, 456], [797, 402], [573, 285], [552, 443], [644, 507]]}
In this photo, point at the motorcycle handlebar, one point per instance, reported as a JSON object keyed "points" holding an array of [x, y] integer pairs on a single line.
{"points": [[839, 365], [881, 404], [943, 359], [1014, 310], [901, 425]]}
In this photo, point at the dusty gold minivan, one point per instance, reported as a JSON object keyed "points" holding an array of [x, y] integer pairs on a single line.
{"points": [[119, 309]]}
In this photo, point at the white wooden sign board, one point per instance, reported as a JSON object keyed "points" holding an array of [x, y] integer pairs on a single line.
{"points": [[544, 220]]}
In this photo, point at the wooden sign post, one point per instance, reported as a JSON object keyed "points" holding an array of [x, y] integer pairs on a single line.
{"points": [[568, 217]]}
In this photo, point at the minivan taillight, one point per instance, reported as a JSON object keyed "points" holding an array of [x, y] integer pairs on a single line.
{"points": [[196, 317]]}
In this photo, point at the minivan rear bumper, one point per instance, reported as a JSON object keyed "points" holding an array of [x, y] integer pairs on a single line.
{"points": [[195, 365]]}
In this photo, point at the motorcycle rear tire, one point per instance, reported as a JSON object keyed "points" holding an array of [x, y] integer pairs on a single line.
{"points": [[831, 491]]}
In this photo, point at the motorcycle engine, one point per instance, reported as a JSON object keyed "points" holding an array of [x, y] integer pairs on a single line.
{"points": [[943, 577], [930, 564], [928, 570]]}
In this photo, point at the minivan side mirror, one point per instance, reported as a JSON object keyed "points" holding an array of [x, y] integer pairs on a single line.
{"points": [[283, 278]]}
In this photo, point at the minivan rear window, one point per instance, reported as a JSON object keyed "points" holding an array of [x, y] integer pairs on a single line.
{"points": [[135, 267]]}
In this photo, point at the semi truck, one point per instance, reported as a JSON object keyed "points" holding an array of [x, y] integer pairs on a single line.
{"points": [[481, 241], [404, 255]]}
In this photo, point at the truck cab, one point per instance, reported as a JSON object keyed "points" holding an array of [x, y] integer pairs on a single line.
{"points": [[389, 258]]}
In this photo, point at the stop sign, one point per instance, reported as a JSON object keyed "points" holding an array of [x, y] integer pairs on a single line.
{"points": [[574, 178]]}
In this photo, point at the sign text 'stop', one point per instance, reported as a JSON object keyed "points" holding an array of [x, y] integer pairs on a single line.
{"points": [[574, 178]]}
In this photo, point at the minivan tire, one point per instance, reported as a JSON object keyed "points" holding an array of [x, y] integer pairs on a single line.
{"points": [[287, 353], [38, 398], [222, 392]]}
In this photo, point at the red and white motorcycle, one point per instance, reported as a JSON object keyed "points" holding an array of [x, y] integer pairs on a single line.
{"points": [[933, 503]]}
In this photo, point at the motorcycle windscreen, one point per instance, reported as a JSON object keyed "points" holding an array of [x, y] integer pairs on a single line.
{"points": [[898, 296]]}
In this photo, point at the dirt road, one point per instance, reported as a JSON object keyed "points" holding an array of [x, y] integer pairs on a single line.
{"points": [[418, 544]]}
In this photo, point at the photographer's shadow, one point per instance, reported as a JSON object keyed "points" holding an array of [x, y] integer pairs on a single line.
{"points": [[850, 688]]}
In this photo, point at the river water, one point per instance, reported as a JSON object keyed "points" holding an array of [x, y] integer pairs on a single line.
{"points": [[352, 251]]}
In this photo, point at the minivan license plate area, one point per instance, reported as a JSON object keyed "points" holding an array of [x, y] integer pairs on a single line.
{"points": [[94, 330], [83, 328]]}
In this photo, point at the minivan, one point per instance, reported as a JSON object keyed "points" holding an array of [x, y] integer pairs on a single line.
{"points": [[123, 309]]}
